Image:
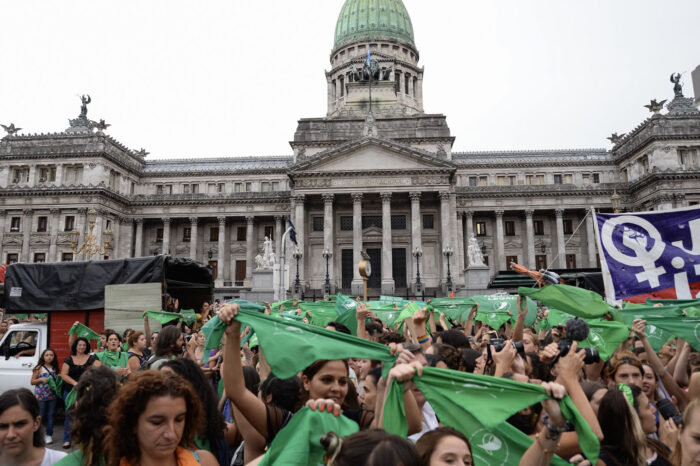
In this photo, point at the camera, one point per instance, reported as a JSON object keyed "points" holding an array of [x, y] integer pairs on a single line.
{"points": [[669, 411], [499, 343], [577, 330]]}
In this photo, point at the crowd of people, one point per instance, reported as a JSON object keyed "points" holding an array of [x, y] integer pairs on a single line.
{"points": [[172, 397]]}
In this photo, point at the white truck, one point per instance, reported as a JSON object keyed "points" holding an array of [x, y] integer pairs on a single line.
{"points": [[20, 349]]}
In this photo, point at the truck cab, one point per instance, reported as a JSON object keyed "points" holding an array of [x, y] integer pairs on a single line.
{"points": [[20, 349]]}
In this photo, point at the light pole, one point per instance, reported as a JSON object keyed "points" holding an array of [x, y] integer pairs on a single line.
{"points": [[615, 201], [448, 251], [297, 283], [327, 255], [418, 253]]}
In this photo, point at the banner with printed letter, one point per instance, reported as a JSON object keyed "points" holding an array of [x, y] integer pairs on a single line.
{"points": [[650, 255]]}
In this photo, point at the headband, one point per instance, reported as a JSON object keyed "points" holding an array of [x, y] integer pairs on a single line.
{"points": [[627, 391]]}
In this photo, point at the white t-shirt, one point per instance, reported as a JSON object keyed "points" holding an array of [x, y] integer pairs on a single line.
{"points": [[52, 456], [429, 422]]}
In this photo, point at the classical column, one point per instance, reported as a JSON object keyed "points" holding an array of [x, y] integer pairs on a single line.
{"points": [[80, 228], [138, 243], [221, 257], [59, 174], [250, 250], [53, 231], [166, 235], [590, 236], [117, 249], [561, 245], [299, 226], [388, 284], [357, 283], [278, 236], [445, 231], [468, 233], [97, 232], [127, 240], [461, 248], [193, 238], [457, 261], [328, 234], [416, 232], [26, 234], [3, 216], [530, 230], [501, 262]]}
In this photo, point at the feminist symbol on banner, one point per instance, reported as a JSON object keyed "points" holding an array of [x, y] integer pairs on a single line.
{"points": [[486, 443]]}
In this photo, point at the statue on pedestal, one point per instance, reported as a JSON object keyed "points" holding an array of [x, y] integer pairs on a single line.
{"points": [[474, 252], [268, 257]]}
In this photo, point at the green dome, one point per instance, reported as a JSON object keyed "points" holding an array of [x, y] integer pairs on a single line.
{"points": [[373, 19]]}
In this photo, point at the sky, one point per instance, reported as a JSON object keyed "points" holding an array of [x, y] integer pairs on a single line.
{"points": [[217, 78]]}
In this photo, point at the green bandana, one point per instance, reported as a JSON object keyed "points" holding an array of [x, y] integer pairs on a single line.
{"points": [[55, 383], [656, 335], [477, 404], [190, 316], [346, 309], [298, 443], [163, 317], [70, 398], [112, 359], [81, 330], [576, 301], [503, 304], [605, 336]]}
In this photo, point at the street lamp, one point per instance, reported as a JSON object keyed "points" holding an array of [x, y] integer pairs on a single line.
{"points": [[327, 255], [448, 251], [418, 253], [90, 247], [297, 283], [615, 201]]}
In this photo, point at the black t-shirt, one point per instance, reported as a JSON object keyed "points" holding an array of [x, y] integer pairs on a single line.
{"points": [[75, 371]]}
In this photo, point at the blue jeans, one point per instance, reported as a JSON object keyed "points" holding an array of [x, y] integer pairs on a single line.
{"points": [[46, 410], [67, 423]]}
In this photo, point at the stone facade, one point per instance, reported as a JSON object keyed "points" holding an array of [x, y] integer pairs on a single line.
{"points": [[390, 186]]}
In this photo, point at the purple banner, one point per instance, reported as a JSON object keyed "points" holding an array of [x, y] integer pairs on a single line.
{"points": [[650, 254]]}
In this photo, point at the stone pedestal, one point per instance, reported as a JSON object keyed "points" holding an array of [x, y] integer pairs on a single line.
{"points": [[477, 280], [262, 286]]}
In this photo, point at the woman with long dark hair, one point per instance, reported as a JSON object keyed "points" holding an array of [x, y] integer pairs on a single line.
{"points": [[73, 367]]}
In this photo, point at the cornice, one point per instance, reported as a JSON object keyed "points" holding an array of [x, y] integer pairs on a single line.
{"points": [[215, 172], [278, 197], [666, 175], [79, 190], [519, 191], [24, 154]]}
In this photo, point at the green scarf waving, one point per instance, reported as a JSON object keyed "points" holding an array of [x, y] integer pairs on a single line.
{"points": [[113, 359]]}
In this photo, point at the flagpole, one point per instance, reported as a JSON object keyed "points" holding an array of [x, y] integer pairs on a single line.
{"points": [[283, 255]]}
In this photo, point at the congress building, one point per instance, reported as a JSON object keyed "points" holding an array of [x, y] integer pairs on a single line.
{"points": [[376, 175]]}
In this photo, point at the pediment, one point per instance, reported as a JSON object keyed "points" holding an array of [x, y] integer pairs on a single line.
{"points": [[372, 154]]}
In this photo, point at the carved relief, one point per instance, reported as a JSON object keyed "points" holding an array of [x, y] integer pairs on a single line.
{"points": [[40, 238]]}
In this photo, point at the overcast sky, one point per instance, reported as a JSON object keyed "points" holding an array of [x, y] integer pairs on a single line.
{"points": [[188, 79]]}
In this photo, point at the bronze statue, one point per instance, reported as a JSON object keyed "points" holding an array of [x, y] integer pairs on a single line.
{"points": [[85, 99], [677, 86]]}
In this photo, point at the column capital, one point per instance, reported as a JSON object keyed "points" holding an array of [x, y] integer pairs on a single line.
{"points": [[250, 219], [469, 213], [125, 220], [499, 213], [194, 220], [82, 210], [52, 211], [529, 213], [3, 213], [222, 220], [356, 198], [386, 197], [444, 196], [139, 220], [328, 198], [279, 218], [559, 212], [166, 220], [415, 195], [299, 198], [27, 212]]}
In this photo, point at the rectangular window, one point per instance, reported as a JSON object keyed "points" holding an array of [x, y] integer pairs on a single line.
{"points": [[237, 187], [557, 179], [221, 188], [42, 224], [483, 181], [371, 221], [168, 189], [214, 234], [539, 179], [500, 180], [186, 234], [265, 187], [568, 227], [275, 185], [67, 257], [186, 189], [538, 226], [195, 189], [12, 258], [159, 189], [398, 222], [133, 188], [644, 162], [69, 224], [346, 223], [529, 179], [586, 178], [596, 178], [428, 221], [317, 224], [248, 187], [509, 227], [568, 178], [571, 261], [623, 175], [240, 273], [241, 233], [159, 235], [108, 225], [511, 260], [270, 232], [39, 257], [43, 174], [480, 228], [473, 180], [211, 188], [14, 224], [541, 262]]}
